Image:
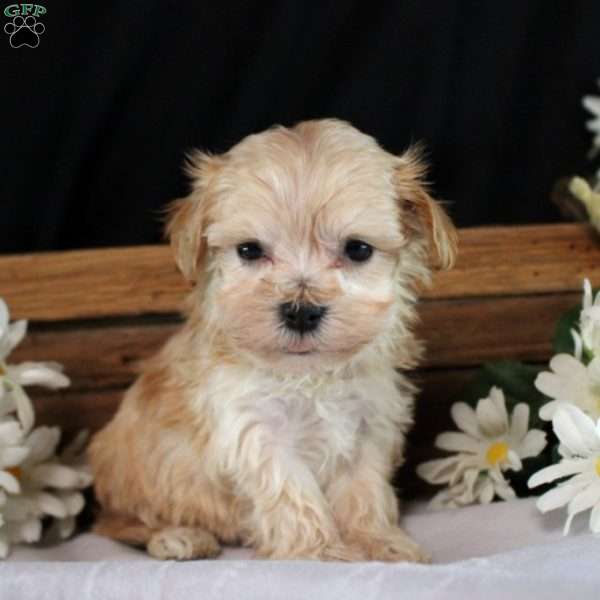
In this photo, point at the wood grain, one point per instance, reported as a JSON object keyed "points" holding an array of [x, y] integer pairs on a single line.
{"points": [[529, 259], [470, 331], [500, 261]]}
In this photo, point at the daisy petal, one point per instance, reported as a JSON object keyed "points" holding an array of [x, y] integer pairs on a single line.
{"points": [[457, 442], [42, 441], [533, 443], [547, 411], [560, 495], [486, 495], [16, 333], [51, 505], [12, 456], [31, 530], [24, 408], [59, 476], [504, 491], [465, 418], [73, 502], [575, 430], [562, 469], [585, 500], [8, 403], [519, 422], [9, 482], [44, 374], [492, 416], [514, 461], [438, 471], [11, 433], [443, 499], [565, 364]]}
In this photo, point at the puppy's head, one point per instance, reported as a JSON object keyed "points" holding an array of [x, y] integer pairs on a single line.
{"points": [[305, 244]]}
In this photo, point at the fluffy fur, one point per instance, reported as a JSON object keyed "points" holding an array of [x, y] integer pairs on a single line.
{"points": [[239, 431]]}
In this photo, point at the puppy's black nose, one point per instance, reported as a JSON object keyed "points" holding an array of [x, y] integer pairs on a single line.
{"points": [[301, 317]]}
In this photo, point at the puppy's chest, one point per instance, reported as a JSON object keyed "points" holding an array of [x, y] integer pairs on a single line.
{"points": [[320, 430]]}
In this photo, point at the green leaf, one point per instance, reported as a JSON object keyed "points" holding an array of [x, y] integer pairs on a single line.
{"points": [[516, 380], [563, 339]]}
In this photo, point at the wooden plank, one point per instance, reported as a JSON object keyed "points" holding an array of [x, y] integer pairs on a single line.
{"points": [[85, 284], [95, 355], [73, 411], [461, 333], [472, 331], [529, 259], [91, 283]]}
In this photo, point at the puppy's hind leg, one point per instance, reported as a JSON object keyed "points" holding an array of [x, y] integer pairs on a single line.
{"points": [[166, 543], [123, 528], [183, 543]]}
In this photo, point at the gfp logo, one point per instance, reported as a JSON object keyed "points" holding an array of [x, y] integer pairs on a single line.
{"points": [[24, 29]]}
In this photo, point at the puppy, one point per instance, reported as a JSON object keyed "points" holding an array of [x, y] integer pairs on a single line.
{"points": [[276, 417]]}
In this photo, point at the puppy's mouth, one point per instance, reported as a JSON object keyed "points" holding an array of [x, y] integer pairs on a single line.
{"points": [[303, 346]]}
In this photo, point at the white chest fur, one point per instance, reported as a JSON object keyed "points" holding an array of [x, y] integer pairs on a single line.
{"points": [[320, 423]]}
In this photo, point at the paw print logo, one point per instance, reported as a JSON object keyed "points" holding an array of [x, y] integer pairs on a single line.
{"points": [[24, 31]]}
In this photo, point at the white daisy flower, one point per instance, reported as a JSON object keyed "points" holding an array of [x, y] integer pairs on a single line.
{"points": [[570, 382], [592, 103], [34, 482], [489, 443], [580, 451], [13, 377], [48, 487]]}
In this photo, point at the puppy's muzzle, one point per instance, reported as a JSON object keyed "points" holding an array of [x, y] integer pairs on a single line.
{"points": [[301, 318]]}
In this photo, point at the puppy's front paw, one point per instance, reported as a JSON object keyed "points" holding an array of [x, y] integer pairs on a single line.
{"points": [[389, 546], [335, 552], [340, 553], [183, 543]]}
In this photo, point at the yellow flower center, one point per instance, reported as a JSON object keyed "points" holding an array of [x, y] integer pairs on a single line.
{"points": [[497, 453], [15, 471], [598, 466]]}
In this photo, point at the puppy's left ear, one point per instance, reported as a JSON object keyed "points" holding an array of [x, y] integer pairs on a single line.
{"points": [[422, 216], [187, 218]]}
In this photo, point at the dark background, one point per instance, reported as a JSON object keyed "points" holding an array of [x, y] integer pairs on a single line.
{"points": [[96, 120]]}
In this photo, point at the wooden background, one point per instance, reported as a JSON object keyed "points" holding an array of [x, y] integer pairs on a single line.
{"points": [[98, 312]]}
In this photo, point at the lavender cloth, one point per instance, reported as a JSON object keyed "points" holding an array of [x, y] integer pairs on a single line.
{"points": [[505, 550]]}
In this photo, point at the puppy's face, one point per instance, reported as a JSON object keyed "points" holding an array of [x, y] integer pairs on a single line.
{"points": [[304, 242]]}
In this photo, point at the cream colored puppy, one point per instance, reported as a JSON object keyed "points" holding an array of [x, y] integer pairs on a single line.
{"points": [[275, 417]]}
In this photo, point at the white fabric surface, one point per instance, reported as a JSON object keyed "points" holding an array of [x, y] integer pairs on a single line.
{"points": [[505, 550]]}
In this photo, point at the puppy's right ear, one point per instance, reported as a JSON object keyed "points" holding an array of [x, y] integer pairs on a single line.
{"points": [[187, 218]]}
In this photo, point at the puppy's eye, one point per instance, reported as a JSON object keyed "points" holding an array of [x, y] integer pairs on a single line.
{"points": [[358, 251], [250, 251]]}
